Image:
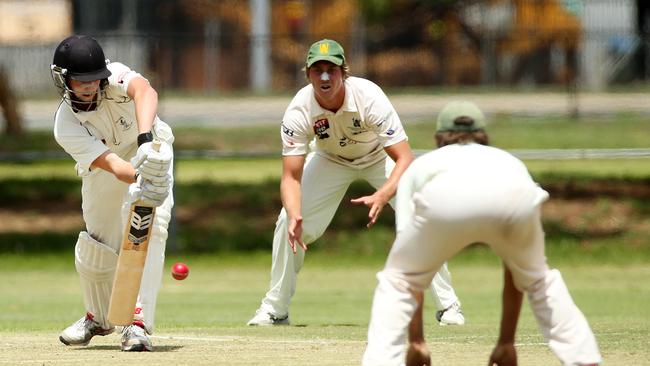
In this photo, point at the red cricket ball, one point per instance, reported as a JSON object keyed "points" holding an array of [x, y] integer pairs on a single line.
{"points": [[180, 271]]}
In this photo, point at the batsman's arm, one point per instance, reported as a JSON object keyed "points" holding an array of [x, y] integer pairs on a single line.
{"points": [[290, 191], [110, 162], [145, 98]]}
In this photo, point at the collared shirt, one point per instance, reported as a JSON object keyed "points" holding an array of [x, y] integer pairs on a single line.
{"points": [[112, 126], [355, 135]]}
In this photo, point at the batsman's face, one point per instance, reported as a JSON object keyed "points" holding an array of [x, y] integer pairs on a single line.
{"points": [[85, 90], [327, 80]]}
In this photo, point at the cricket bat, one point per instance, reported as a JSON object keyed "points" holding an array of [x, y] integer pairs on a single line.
{"points": [[130, 263]]}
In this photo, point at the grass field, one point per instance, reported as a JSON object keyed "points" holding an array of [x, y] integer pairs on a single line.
{"points": [[201, 321]]}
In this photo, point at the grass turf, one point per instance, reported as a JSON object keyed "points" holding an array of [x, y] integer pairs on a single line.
{"points": [[202, 320]]}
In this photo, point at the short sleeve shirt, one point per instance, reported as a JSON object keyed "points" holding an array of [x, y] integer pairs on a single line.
{"points": [[355, 135], [112, 126]]}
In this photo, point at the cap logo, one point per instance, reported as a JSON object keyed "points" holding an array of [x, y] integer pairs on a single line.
{"points": [[324, 48]]}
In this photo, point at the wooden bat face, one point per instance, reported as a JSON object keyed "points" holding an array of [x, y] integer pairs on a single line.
{"points": [[139, 229]]}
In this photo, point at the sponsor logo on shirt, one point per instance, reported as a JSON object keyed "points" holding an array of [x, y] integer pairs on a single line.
{"points": [[344, 141], [287, 131], [320, 126], [390, 132]]}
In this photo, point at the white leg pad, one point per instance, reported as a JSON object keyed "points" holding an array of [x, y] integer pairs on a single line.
{"points": [[95, 263]]}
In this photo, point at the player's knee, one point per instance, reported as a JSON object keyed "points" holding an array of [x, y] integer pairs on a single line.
{"points": [[93, 259]]}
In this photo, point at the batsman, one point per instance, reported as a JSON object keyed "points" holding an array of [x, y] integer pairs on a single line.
{"points": [[107, 121]]}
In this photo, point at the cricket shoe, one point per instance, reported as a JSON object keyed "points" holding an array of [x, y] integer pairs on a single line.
{"points": [[80, 333], [452, 315], [263, 318], [135, 338]]}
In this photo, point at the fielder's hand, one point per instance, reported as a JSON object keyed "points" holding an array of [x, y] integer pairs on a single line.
{"points": [[153, 165], [418, 355], [503, 355], [376, 202], [295, 234]]}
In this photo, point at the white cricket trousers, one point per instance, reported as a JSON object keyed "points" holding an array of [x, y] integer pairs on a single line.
{"points": [[324, 184], [451, 214], [105, 208]]}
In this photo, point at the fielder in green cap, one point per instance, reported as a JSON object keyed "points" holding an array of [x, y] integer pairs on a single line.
{"points": [[461, 121], [460, 194], [336, 130], [326, 50]]}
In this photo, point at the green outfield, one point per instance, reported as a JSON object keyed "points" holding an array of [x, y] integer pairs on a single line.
{"points": [[597, 226], [201, 320]]}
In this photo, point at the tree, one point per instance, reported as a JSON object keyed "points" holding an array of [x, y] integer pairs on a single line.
{"points": [[8, 102]]}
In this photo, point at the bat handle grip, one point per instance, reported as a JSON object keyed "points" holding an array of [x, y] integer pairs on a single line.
{"points": [[155, 145]]}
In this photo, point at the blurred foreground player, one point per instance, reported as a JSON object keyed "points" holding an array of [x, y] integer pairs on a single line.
{"points": [[462, 193], [107, 121]]}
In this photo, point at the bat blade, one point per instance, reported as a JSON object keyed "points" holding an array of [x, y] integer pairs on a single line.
{"points": [[130, 264]]}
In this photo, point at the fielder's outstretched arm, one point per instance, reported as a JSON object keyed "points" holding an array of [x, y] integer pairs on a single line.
{"points": [[504, 353], [417, 354], [403, 156], [290, 190]]}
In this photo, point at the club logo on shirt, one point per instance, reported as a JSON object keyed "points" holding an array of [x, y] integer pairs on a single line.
{"points": [[356, 128], [124, 123], [320, 126], [287, 131]]}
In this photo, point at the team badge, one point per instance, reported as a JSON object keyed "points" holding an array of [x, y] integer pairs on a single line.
{"points": [[324, 48], [320, 126]]}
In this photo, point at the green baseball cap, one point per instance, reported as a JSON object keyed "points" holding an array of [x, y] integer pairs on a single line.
{"points": [[326, 50], [447, 119]]}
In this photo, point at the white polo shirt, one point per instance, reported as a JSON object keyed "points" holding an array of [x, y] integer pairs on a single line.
{"points": [[112, 126], [355, 135]]}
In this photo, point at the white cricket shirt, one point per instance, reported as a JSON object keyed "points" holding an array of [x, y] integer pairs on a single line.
{"points": [[355, 135], [112, 126], [485, 166]]}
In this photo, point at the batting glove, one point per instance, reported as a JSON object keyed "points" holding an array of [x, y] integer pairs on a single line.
{"points": [[150, 193], [153, 165]]}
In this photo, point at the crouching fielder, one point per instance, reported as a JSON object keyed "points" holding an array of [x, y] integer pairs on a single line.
{"points": [[462, 193], [106, 122]]}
